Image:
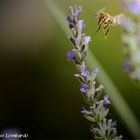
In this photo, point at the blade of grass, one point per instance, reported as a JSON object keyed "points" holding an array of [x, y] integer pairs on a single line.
{"points": [[117, 100]]}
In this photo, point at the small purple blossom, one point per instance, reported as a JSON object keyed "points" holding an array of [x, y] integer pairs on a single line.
{"points": [[84, 72], [114, 123], [106, 100], [134, 7], [95, 72], [80, 24], [85, 40], [75, 11], [111, 123], [84, 88], [70, 22], [127, 65], [68, 19], [70, 55]]}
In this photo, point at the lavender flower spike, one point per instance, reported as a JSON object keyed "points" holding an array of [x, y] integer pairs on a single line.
{"points": [[131, 40], [96, 108]]}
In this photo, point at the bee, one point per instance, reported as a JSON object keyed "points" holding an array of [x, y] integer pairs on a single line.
{"points": [[107, 21]]}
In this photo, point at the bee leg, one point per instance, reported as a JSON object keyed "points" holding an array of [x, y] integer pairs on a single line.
{"points": [[106, 26], [107, 32], [99, 28], [101, 21]]}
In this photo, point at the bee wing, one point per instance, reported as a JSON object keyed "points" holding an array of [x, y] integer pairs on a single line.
{"points": [[118, 19], [101, 11]]}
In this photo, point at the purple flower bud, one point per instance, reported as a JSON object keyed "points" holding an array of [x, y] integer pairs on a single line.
{"points": [[95, 72], [70, 55], [114, 123], [84, 72], [80, 24], [106, 100], [127, 65], [75, 11], [70, 22], [69, 19], [134, 7], [78, 11], [77, 55], [85, 41], [84, 88]]}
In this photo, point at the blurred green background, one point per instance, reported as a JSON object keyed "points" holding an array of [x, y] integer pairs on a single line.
{"points": [[38, 92]]}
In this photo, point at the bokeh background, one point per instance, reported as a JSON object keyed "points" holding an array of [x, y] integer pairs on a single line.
{"points": [[38, 93]]}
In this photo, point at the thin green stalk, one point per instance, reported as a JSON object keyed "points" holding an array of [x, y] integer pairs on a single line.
{"points": [[117, 100]]}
